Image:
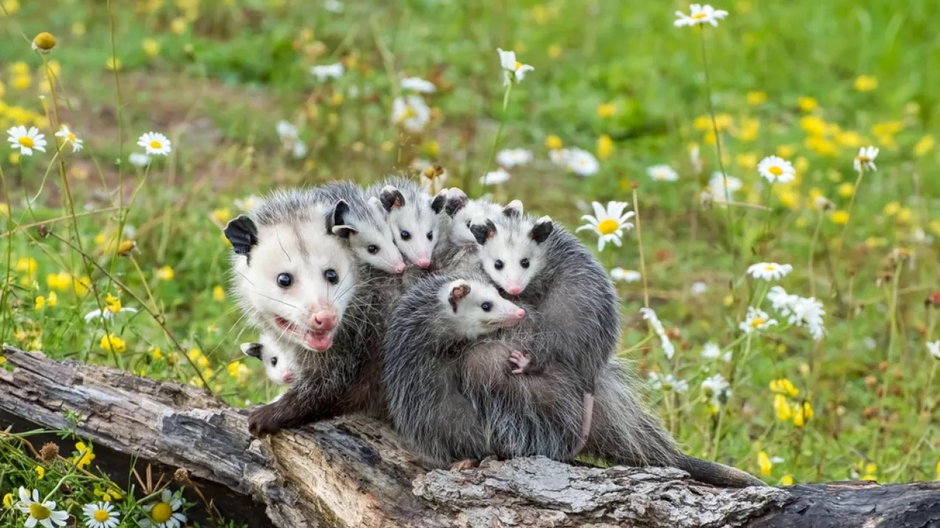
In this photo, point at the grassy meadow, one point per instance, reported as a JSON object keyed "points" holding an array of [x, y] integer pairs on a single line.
{"points": [[253, 95]]}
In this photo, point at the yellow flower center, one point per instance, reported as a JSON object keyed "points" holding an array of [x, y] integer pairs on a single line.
{"points": [[608, 226], [26, 141], [757, 322], [698, 16], [102, 516], [775, 170], [161, 512], [863, 159], [517, 65], [154, 144], [70, 137], [769, 267], [39, 512]]}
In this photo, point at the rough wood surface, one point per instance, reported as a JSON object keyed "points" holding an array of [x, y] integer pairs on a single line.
{"points": [[354, 472]]}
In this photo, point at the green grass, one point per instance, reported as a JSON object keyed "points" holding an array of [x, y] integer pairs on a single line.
{"points": [[218, 88]]}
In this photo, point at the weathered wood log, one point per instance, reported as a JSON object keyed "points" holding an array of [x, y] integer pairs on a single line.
{"points": [[354, 471]]}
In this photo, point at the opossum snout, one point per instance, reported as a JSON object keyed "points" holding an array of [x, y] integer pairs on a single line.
{"points": [[514, 290], [399, 267], [423, 262], [520, 314], [323, 320], [288, 377]]}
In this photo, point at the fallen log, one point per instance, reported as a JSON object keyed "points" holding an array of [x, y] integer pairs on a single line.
{"points": [[354, 471]]}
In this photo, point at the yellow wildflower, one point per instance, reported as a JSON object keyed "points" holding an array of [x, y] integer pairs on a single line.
{"points": [[605, 146], [178, 25], [786, 151], [756, 98], [112, 303], [782, 408], [865, 83], [194, 354], [821, 146], [40, 303], [27, 265], [84, 457], [846, 189], [44, 42], [166, 273], [218, 293], [839, 217], [807, 104], [606, 109], [785, 387], [59, 281], [156, 354], [802, 413], [125, 247], [786, 480], [52, 300], [892, 208], [923, 145], [813, 125], [112, 64], [203, 362], [904, 215], [553, 142], [765, 464], [40, 472], [151, 47], [849, 139], [8, 501], [81, 285], [871, 472], [554, 51], [3, 360], [749, 129], [112, 343], [938, 469], [887, 128], [222, 216]]}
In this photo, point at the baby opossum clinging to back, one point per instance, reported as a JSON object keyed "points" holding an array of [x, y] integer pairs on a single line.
{"points": [[280, 362]]}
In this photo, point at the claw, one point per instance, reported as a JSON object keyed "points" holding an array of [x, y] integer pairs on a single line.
{"points": [[520, 361]]}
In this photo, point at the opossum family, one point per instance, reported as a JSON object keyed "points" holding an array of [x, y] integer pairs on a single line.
{"points": [[497, 341]]}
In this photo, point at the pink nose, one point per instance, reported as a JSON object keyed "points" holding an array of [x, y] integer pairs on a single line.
{"points": [[424, 263], [515, 290], [520, 313], [323, 320], [399, 267], [288, 377]]}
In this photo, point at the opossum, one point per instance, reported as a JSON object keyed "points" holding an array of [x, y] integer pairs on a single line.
{"points": [[413, 217], [361, 220], [280, 362], [428, 333], [295, 279]]}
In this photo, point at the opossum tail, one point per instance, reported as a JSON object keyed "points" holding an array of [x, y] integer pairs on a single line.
{"points": [[717, 474]]}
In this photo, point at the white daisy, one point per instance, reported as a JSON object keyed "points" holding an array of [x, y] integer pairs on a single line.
{"points": [[411, 113], [934, 349], [698, 288], [717, 186], [139, 159], [106, 314], [69, 137], [248, 203], [717, 389], [164, 513], [776, 169], [668, 383], [26, 141], [866, 159], [333, 6], [699, 14], [660, 330], [769, 271], [155, 143], [418, 85], [286, 131], [662, 173], [495, 177], [608, 223], [514, 71], [39, 512], [711, 351], [101, 515], [328, 71], [579, 161], [509, 158], [800, 311], [625, 275], [756, 319], [695, 159]]}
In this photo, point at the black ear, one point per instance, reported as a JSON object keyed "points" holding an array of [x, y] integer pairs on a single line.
{"points": [[391, 198], [542, 228], [513, 209], [482, 232], [437, 204], [252, 349], [458, 290], [242, 233], [456, 200], [336, 221]]}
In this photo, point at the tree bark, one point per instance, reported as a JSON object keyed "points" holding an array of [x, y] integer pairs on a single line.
{"points": [[354, 471]]}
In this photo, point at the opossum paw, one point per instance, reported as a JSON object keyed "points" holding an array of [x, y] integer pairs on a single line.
{"points": [[461, 465], [519, 360], [263, 421]]}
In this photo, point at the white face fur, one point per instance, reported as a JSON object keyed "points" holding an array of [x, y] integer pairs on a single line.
{"points": [[297, 280], [512, 252], [280, 362], [372, 241], [414, 226], [475, 308], [475, 212]]}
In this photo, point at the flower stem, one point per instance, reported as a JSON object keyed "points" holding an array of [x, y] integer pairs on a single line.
{"points": [[639, 245], [812, 255], [858, 182], [499, 131]]}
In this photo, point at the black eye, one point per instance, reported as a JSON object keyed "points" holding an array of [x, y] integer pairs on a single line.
{"points": [[524, 263], [372, 249], [274, 361], [331, 276], [430, 236], [284, 280], [498, 264], [405, 235], [487, 306]]}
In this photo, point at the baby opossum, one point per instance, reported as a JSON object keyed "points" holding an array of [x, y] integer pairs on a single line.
{"points": [[429, 330], [295, 279], [412, 215], [361, 220], [280, 362]]}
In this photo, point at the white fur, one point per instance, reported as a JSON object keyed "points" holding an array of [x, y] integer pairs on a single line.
{"points": [[511, 244], [376, 232], [471, 320]]}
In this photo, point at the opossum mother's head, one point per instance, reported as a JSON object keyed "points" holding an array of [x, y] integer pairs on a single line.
{"points": [[512, 248], [291, 275]]}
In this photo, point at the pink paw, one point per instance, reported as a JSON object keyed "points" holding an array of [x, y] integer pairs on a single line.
{"points": [[520, 361]]}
